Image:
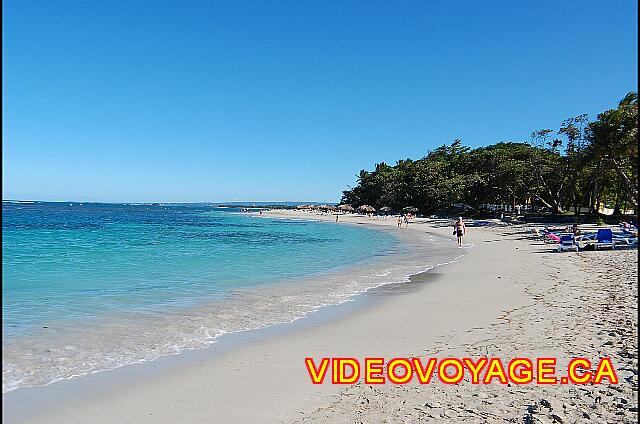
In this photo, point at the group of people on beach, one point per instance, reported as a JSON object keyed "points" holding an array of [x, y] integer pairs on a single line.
{"points": [[403, 219], [568, 229]]}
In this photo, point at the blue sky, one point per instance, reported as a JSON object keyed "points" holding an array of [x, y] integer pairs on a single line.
{"points": [[286, 100]]}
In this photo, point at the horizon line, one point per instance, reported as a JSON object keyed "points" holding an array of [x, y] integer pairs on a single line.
{"points": [[169, 202]]}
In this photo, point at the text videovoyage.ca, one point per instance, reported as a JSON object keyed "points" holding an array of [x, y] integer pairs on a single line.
{"points": [[375, 370]]}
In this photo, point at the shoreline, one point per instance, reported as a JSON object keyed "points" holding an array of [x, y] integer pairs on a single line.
{"points": [[473, 307], [37, 395], [41, 400], [295, 289]]}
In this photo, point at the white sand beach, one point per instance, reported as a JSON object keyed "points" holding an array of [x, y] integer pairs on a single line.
{"points": [[510, 296], [251, 212]]}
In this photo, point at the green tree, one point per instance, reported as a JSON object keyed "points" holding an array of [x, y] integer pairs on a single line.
{"points": [[585, 163], [614, 145]]}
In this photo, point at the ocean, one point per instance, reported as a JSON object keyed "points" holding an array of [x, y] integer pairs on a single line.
{"points": [[89, 287]]}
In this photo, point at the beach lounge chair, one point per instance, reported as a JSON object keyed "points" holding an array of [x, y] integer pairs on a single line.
{"points": [[627, 227], [567, 242], [605, 238], [551, 238], [538, 234], [625, 239]]}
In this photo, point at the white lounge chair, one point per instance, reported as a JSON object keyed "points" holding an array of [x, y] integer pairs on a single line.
{"points": [[567, 242]]}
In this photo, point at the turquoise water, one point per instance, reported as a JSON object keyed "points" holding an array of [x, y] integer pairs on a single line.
{"points": [[72, 261], [92, 287]]}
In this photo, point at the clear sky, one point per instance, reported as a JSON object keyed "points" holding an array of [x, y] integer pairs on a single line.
{"points": [[287, 100]]}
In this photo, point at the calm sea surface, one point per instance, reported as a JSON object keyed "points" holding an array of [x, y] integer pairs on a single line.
{"points": [[90, 287]]}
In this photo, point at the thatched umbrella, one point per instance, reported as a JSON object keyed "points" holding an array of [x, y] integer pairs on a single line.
{"points": [[367, 209], [327, 208], [346, 208], [385, 209], [410, 209]]}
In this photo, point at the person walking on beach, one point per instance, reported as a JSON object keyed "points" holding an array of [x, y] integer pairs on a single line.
{"points": [[399, 222], [459, 229], [406, 221]]}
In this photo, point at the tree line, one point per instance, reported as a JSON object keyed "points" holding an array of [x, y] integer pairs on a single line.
{"points": [[583, 166]]}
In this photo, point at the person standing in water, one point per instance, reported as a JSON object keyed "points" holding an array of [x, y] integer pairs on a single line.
{"points": [[459, 229]]}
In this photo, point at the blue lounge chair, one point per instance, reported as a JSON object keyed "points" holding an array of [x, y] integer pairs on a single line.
{"points": [[605, 238], [567, 242], [628, 228], [625, 240]]}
